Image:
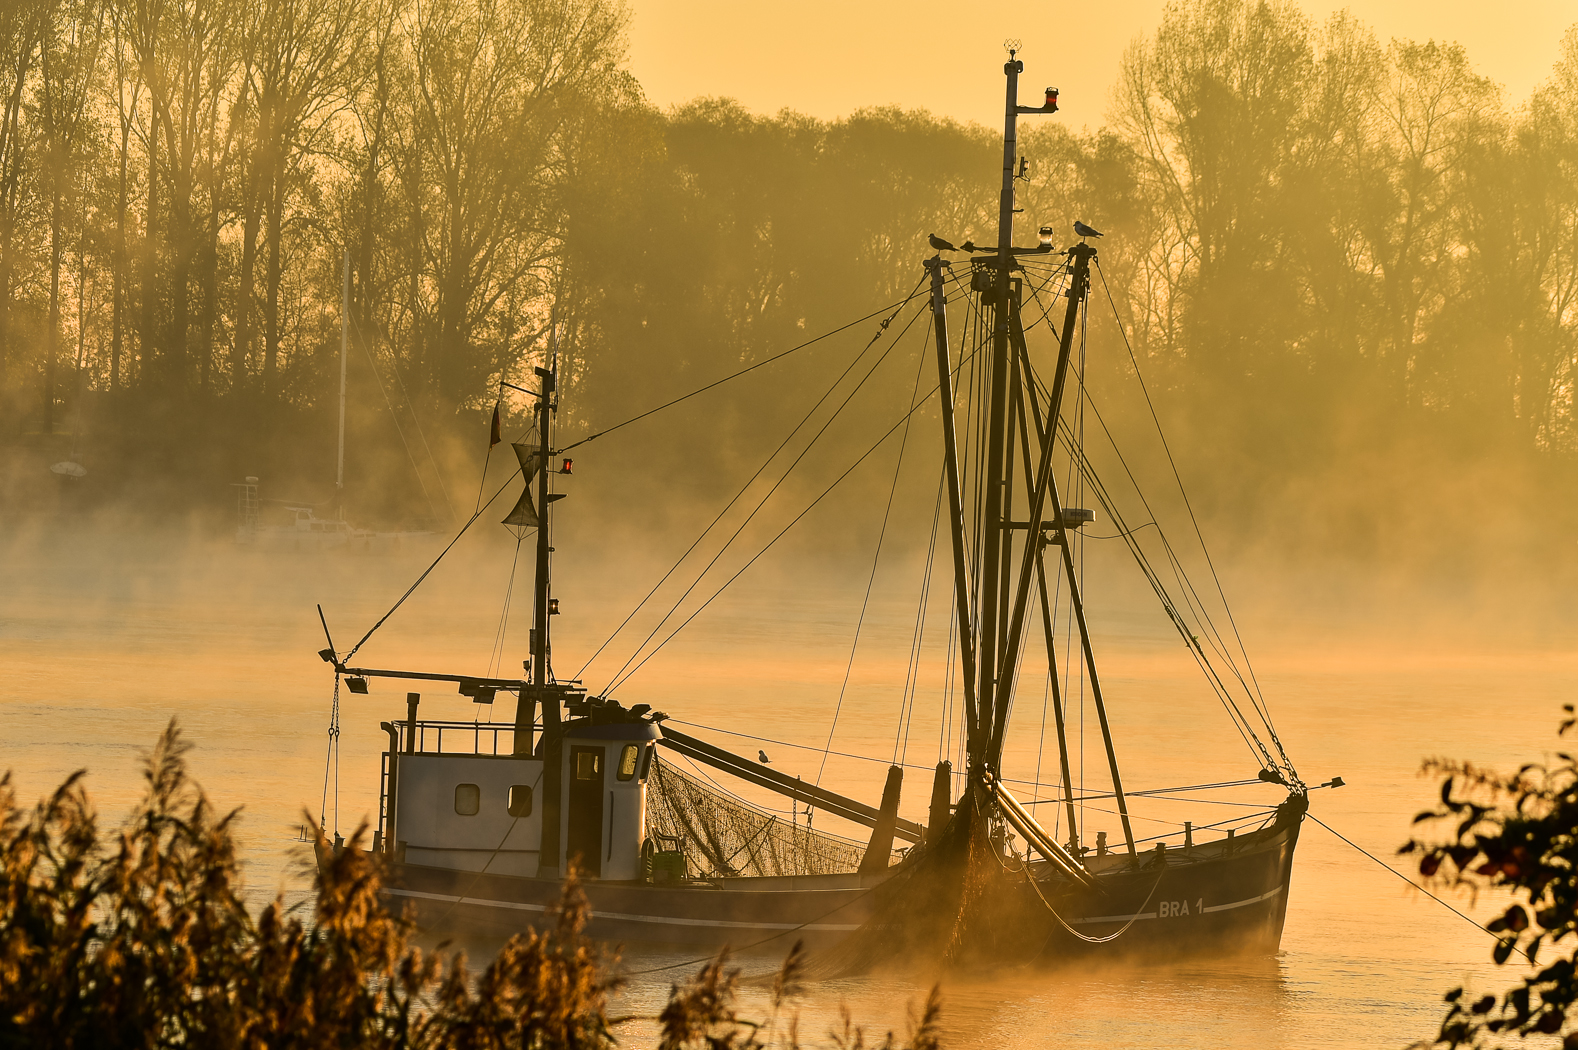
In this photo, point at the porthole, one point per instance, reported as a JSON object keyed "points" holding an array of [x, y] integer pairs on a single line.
{"points": [[468, 799], [520, 800], [627, 761]]}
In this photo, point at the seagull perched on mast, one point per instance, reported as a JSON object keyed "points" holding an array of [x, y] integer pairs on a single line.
{"points": [[1085, 231], [940, 245]]}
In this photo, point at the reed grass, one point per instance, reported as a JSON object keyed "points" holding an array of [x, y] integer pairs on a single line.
{"points": [[140, 938]]}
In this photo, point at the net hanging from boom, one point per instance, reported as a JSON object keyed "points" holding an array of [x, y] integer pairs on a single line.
{"points": [[721, 834]]}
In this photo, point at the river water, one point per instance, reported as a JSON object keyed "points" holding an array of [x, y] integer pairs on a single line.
{"points": [[107, 636]]}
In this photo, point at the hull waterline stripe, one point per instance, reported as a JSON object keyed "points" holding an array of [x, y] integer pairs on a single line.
{"points": [[622, 917], [1151, 915], [1244, 904]]}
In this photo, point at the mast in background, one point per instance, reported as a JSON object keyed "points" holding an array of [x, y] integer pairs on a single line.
{"points": [[345, 329]]}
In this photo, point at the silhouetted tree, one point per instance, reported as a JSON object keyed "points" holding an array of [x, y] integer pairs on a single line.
{"points": [[1515, 834]]}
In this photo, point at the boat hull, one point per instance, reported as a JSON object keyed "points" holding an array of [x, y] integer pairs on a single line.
{"points": [[1214, 900], [769, 914], [1211, 901]]}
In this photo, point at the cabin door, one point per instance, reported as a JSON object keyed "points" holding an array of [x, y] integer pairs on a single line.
{"points": [[585, 838]]}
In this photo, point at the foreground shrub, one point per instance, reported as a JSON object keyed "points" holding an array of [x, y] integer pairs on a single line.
{"points": [[141, 939], [1518, 834]]}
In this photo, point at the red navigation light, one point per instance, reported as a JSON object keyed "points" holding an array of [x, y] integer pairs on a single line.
{"points": [[565, 469], [1051, 106]]}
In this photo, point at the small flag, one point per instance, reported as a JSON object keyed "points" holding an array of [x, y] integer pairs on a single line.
{"points": [[493, 438]]}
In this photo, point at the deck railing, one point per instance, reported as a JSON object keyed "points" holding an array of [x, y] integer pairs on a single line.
{"points": [[457, 738]]}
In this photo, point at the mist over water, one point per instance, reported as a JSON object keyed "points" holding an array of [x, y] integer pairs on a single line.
{"points": [[108, 634]]}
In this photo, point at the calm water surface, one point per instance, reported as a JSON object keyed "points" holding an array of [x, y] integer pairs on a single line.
{"points": [[105, 639]]}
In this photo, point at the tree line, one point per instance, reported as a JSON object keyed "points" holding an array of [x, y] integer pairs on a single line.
{"points": [[1312, 232]]}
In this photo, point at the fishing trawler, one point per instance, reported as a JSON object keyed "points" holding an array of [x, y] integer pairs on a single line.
{"points": [[481, 823]]}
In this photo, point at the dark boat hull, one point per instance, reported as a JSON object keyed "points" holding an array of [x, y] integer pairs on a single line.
{"points": [[1209, 901], [1216, 899], [766, 913]]}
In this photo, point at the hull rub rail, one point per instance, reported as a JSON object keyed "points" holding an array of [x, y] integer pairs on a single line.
{"points": [[1151, 915], [449, 898]]}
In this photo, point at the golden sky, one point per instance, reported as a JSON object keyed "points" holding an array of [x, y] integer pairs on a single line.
{"points": [[830, 57]]}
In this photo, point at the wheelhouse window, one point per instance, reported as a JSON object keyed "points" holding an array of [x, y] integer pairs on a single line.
{"points": [[468, 799], [520, 800], [588, 765], [627, 761]]}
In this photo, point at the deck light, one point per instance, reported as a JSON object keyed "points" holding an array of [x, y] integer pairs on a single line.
{"points": [[327, 655], [356, 684], [1074, 517]]}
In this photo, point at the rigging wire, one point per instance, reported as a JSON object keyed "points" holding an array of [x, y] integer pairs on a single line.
{"points": [[1165, 793], [1081, 463], [784, 531], [496, 658], [619, 675], [1257, 696], [1213, 678], [516, 472], [912, 670], [1410, 882], [751, 368], [876, 558], [1196, 604], [1017, 408], [482, 482], [737, 496], [332, 758]]}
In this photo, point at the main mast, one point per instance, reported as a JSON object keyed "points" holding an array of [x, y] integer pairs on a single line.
{"points": [[988, 590], [1003, 582], [540, 596]]}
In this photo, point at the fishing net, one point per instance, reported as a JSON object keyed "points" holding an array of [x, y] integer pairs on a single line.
{"points": [[724, 835], [954, 901]]}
